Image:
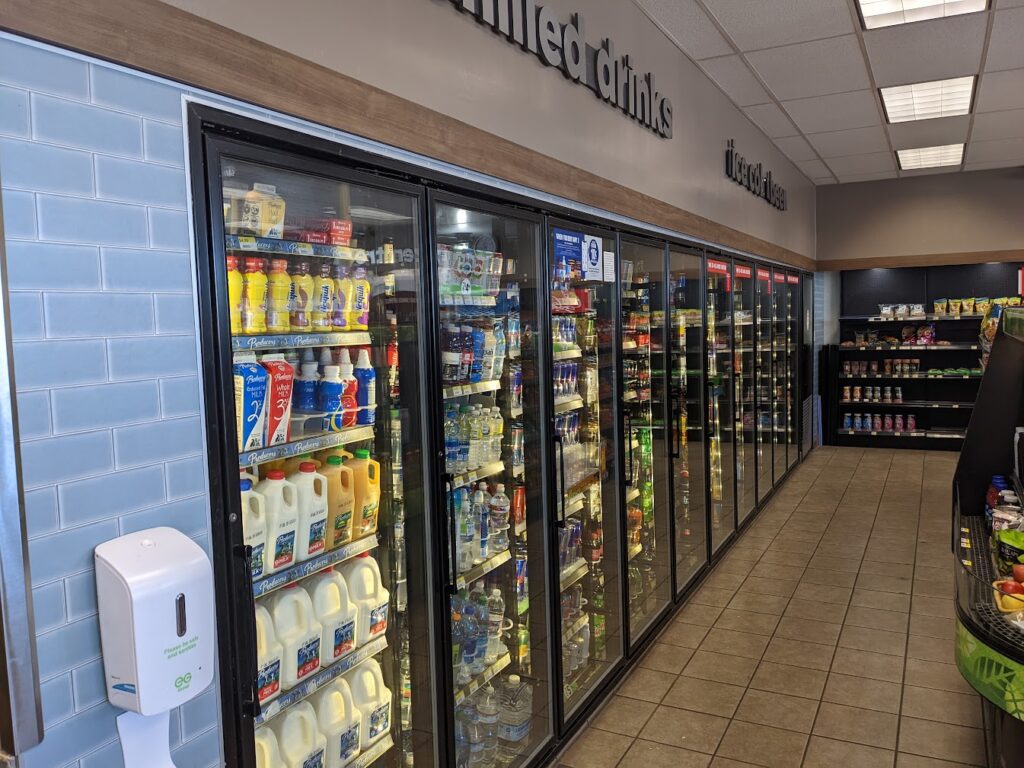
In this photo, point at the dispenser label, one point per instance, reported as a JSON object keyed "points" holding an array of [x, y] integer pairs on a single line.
{"points": [[309, 657], [315, 760], [125, 688], [379, 619], [380, 720], [349, 742], [257, 562], [344, 638], [341, 524], [284, 551], [317, 537], [268, 680]]}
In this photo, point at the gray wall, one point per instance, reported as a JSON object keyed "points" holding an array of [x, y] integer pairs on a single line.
{"points": [[945, 213], [428, 52]]}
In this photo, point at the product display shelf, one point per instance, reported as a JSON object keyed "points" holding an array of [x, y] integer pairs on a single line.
{"points": [[314, 565], [949, 376], [481, 679], [634, 550], [300, 340], [567, 354], [907, 404], [572, 574], [480, 473], [462, 390], [272, 245], [461, 300], [308, 687], [480, 570], [305, 445], [576, 626], [911, 319], [951, 347], [367, 758], [569, 404]]}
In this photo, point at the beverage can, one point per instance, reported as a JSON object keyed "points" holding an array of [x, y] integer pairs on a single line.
{"points": [[899, 394], [847, 421], [876, 422], [887, 422], [898, 423], [856, 394], [846, 394], [911, 422], [887, 366], [856, 422], [887, 395]]}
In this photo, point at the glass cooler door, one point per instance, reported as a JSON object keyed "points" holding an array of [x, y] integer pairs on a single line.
{"points": [[743, 388], [793, 403], [763, 314], [719, 371], [780, 374]]}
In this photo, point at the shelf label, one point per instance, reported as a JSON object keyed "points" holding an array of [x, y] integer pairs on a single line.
{"points": [[247, 243], [743, 272], [718, 267]]}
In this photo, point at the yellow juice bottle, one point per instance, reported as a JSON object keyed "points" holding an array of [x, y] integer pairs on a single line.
{"points": [[279, 291], [323, 299], [301, 297], [342, 297], [359, 302], [254, 296], [235, 294]]}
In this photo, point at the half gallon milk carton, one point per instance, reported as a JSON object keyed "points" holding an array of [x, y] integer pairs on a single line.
{"points": [[335, 612], [340, 722], [299, 633], [281, 501], [269, 655], [362, 575], [298, 735], [372, 699], [279, 401], [312, 503], [268, 754], [254, 526], [250, 405]]}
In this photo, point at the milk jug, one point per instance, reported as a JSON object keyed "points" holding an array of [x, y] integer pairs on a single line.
{"points": [[340, 722], [311, 489], [366, 477], [280, 499], [299, 633], [254, 526], [372, 700], [268, 755], [362, 575], [269, 655], [299, 738], [291, 466], [336, 614], [340, 501]]}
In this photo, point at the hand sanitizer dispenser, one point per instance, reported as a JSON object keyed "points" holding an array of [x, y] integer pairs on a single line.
{"points": [[156, 609]]}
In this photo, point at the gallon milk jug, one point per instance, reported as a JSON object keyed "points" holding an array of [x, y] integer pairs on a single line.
{"points": [[366, 477], [311, 489], [299, 738], [340, 501], [268, 755], [340, 722], [280, 500], [254, 526], [298, 632], [336, 614], [362, 575], [372, 700], [269, 656]]}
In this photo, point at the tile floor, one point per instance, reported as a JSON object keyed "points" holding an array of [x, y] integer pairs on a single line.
{"points": [[824, 638]]}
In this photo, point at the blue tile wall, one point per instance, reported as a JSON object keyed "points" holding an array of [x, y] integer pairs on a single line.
{"points": [[99, 260]]}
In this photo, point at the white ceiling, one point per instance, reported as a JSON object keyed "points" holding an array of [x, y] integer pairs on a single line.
{"points": [[808, 74]]}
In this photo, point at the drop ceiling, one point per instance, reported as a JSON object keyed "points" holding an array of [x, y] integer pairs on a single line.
{"points": [[810, 76]]}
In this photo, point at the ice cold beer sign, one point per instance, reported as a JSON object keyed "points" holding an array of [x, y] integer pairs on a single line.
{"points": [[754, 178], [537, 29]]}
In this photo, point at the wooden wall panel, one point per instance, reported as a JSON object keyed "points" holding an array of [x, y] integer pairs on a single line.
{"points": [[923, 260]]}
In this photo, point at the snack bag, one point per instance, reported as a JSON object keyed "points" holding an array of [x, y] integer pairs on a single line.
{"points": [[968, 305], [909, 334], [902, 310], [982, 305], [940, 307], [885, 310], [1009, 550], [858, 338], [1013, 301], [917, 310], [954, 306], [926, 334]]}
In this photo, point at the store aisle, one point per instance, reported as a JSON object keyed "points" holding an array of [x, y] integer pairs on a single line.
{"points": [[824, 638]]}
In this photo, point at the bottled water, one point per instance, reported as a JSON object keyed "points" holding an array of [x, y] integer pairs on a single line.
{"points": [[481, 515], [475, 737], [515, 704], [497, 433], [466, 529], [466, 456], [500, 349], [401, 588], [495, 621], [470, 633], [452, 443], [475, 438], [487, 711], [462, 747], [479, 598], [499, 511], [485, 435]]}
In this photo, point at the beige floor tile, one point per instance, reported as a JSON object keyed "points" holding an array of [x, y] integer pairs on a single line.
{"points": [[596, 749], [734, 670], [825, 560], [759, 603], [778, 710], [623, 715], [713, 596], [783, 678], [724, 580], [788, 559], [829, 753], [686, 729], [876, 640], [813, 610], [932, 674], [884, 583], [650, 754], [885, 601], [928, 588], [930, 649], [833, 595], [875, 666], [776, 587], [946, 742], [725, 762], [771, 571], [705, 696], [763, 745], [880, 695], [804, 545], [825, 578], [646, 684], [799, 653], [864, 726], [904, 760], [684, 635], [734, 643], [897, 570], [701, 615], [932, 626], [873, 618], [923, 605], [822, 632], [664, 657], [942, 706], [745, 621]]}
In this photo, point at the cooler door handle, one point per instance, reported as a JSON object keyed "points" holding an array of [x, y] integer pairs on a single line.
{"points": [[453, 568], [629, 446], [561, 480], [251, 705]]}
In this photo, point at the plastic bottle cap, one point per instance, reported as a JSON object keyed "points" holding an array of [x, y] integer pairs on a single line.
{"points": [[246, 485], [332, 372], [362, 453], [344, 358], [364, 359], [307, 466], [514, 679], [335, 461], [496, 592], [232, 262], [275, 474], [309, 370], [500, 487]]}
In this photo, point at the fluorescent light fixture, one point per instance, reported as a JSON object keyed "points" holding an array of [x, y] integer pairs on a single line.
{"points": [[930, 157], [888, 13], [925, 101]]}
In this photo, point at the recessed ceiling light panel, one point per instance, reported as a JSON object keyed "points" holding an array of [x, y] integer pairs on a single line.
{"points": [[930, 157], [925, 101], [888, 13]]}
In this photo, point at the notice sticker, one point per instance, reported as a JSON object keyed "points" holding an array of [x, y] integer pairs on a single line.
{"points": [[593, 268], [609, 266]]}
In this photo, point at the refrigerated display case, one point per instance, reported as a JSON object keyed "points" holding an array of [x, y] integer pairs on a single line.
{"points": [[719, 373], [744, 353], [763, 377], [793, 318], [648, 550], [780, 375], [686, 413]]}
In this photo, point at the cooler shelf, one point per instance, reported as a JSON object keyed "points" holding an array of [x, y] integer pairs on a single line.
{"points": [[313, 565], [908, 404], [480, 680], [370, 756], [299, 340], [306, 445], [462, 390], [573, 573], [575, 627], [944, 376], [906, 347], [478, 474], [568, 354], [293, 248], [477, 572]]}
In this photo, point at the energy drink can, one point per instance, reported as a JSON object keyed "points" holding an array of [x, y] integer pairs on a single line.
{"points": [[911, 422], [887, 422], [847, 421], [876, 422], [898, 423], [856, 394], [856, 422], [846, 395]]}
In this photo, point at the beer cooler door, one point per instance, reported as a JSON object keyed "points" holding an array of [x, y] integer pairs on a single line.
{"points": [[763, 388], [744, 355], [719, 372], [793, 401], [780, 374]]}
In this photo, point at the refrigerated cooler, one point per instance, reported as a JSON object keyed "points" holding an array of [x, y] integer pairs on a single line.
{"points": [[780, 391], [721, 437], [764, 369], [793, 370], [744, 355]]}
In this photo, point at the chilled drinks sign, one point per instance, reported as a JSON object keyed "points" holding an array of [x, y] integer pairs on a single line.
{"points": [[612, 78], [754, 177]]}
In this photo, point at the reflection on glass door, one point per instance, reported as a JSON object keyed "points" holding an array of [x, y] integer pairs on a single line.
{"points": [[793, 367], [780, 374], [487, 265], [763, 380], [686, 439], [806, 350], [743, 388], [721, 457], [583, 323], [643, 403]]}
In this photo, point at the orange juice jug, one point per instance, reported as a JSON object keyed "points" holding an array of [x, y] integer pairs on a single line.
{"points": [[366, 477], [301, 297], [337, 450], [291, 466], [235, 294], [254, 296], [279, 289], [323, 299], [340, 501]]}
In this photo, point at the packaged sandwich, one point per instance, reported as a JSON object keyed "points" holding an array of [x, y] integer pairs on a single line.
{"points": [[885, 310]]}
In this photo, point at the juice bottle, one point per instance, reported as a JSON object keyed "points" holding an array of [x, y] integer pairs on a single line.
{"points": [[342, 297], [336, 614], [268, 754], [269, 655], [254, 526], [337, 450], [349, 391], [311, 496], [299, 633], [373, 700], [301, 297], [359, 303], [235, 294], [323, 299], [340, 501], [298, 735], [279, 290], [254, 296], [365, 589], [291, 466], [282, 520], [340, 722], [366, 483]]}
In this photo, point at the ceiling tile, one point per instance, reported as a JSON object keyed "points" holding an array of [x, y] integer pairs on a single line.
{"points": [[1009, 3], [848, 178], [825, 180], [857, 141], [812, 69], [838, 111], [688, 26], [1001, 90], [1004, 47], [990, 166], [876, 162], [814, 169], [998, 125], [930, 133], [796, 148], [738, 82], [772, 120], [1009, 150], [765, 25], [926, 50]]}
